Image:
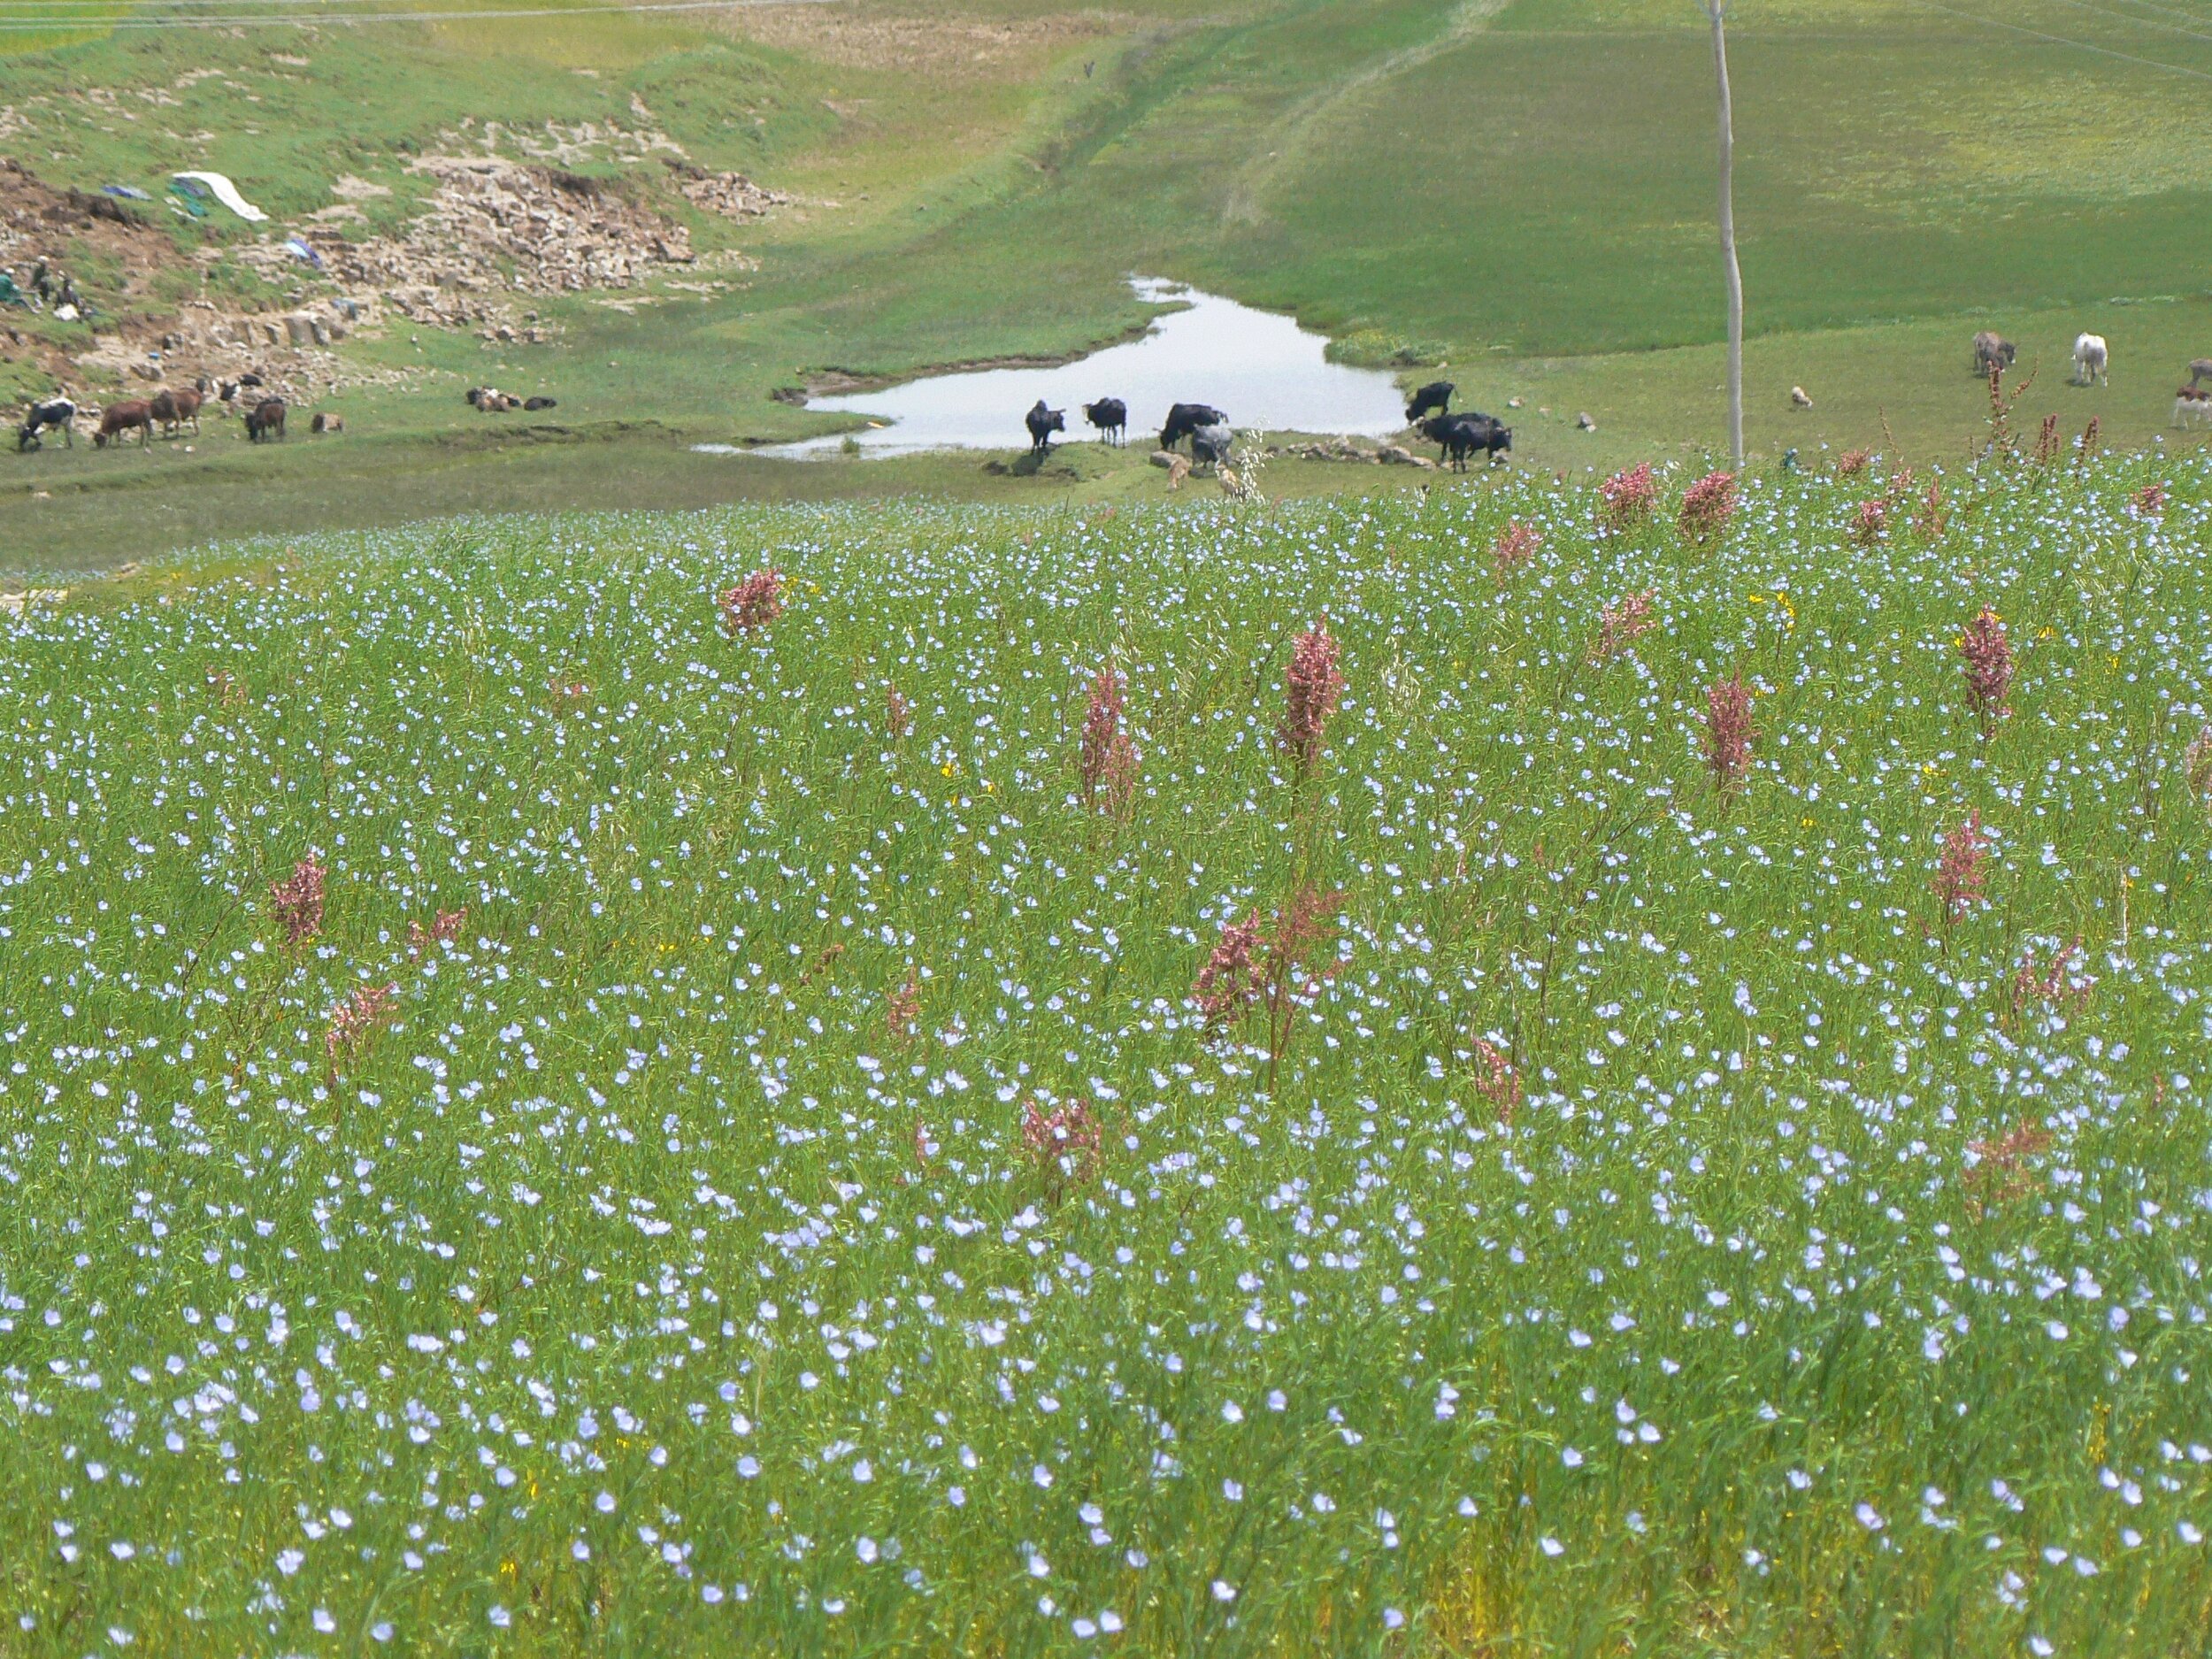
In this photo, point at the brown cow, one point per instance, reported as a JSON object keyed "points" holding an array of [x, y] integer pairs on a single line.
{"points": [[173, 407], [118, 420], [1992, 351], [266, 419]]}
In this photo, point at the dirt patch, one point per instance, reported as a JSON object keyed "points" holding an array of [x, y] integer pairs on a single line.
{"points": [[973, 48], [39, 221], [141, 345]]}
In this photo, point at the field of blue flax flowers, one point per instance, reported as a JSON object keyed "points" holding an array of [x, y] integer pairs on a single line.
{"points": [[1508, 1069]]}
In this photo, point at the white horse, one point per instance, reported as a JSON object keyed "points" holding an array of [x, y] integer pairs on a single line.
{"points": [[2089, 359]]}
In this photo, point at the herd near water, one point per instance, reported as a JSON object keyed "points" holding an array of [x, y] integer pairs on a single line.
{"points": [[1209, 436]]}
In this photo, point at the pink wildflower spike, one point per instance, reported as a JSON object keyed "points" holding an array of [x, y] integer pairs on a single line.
{"points": [[1107, 759], [298, 901], [444, 925], [1623, 621], [2196, 765], [1496, 1080], [902, 1008], [1068, 1131], [1962, 873], [1311, 686], [1728, 732], [1230, 981], [1516, 546], [754, 603], [1707, 507], [1626, 499], [354, 1019], [1986, 656]]}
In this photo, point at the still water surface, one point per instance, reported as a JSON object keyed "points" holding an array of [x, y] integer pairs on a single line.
{"points": [[1257, 367]]}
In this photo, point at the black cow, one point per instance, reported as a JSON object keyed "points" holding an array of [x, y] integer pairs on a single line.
{"points": [[1437, 394], [1211, 442], [1459, 436], [1042, 423], [1110, 416], [1183, 419], [56, 414], [266, 420], [541, 402]]}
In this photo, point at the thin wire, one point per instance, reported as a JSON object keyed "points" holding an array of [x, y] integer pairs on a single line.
{"points": [[2123, 16], [2194, 17], [93, 20], [2060, 40]]}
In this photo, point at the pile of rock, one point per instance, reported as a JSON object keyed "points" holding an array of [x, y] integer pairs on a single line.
{"points": [[494, 227], [732, 195], [1346, 450]]}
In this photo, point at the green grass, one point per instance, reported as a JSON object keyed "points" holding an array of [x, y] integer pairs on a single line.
{"points": [[1655, 1223]]}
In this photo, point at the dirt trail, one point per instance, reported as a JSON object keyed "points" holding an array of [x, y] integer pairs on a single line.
{"points": [[1290, 133]]}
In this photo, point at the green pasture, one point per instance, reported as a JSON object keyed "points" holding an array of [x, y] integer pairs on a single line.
{"points": [[1519, 195]]}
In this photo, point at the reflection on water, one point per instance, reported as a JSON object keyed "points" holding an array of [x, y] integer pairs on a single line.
{"points": [[1260, 369]]}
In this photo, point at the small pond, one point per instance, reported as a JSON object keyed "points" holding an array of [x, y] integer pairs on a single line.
{"points": [[1259, 368]]}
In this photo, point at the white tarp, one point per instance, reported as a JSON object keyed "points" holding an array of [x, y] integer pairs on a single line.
{"points": [[226, 193]]}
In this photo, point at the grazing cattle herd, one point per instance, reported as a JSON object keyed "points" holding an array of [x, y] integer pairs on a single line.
{"points": [[171, 408], [1205, 429]]}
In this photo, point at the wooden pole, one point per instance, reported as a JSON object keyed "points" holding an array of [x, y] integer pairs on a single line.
{"points": [[1716, 11]]}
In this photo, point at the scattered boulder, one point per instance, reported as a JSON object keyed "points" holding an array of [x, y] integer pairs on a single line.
{"points": [[1397, 455], [732, 195]]}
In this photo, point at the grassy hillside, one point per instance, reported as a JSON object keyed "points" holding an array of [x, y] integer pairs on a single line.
{"points": [[541, 1122], [1520, 191]]}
